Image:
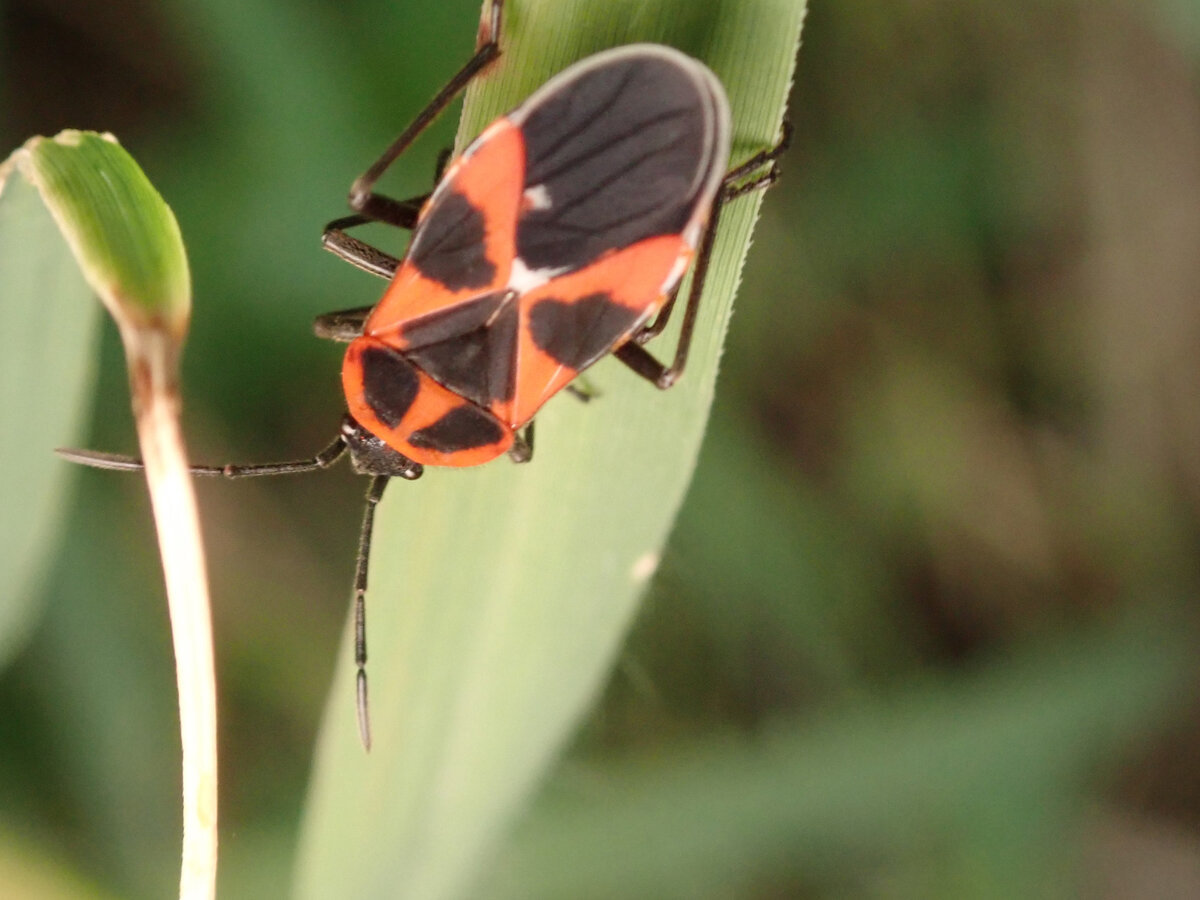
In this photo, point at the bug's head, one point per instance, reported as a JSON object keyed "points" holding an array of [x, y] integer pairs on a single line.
{"points": [[369, 455]]}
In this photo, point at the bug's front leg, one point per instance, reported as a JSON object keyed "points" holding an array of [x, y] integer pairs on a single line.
{"points": [[377, 207]]}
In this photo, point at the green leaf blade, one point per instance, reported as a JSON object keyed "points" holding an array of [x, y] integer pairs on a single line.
{"points": [[124, 235]]}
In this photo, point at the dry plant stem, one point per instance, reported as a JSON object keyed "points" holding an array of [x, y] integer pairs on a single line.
{"points": [[152, 372]]}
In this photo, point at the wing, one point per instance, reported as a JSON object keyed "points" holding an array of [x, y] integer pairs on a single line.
{"points": [[448, 308], [626, 145], [560, 229], [624, 154], [573, 320]]}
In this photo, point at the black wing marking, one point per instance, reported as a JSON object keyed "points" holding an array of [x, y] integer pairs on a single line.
{"points": [[390, 383], [463, 428], [470, 347], [448, 246], [624, 146], [578, 333]]}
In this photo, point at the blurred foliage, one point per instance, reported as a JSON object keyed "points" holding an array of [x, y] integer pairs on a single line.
{"points": [[947, 507], [36, 264]]}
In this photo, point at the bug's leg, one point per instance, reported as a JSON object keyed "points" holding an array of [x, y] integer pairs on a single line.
{"points": [[443, 160], [631, 353], [730, 188], [360, 254], [728, 192], [642, 362], [343, 325], [637, 357], [582, 394], [655, 328], [770, 155], [400, 213], [374, 495], [521, 450], [363, 198], [322, 460]]}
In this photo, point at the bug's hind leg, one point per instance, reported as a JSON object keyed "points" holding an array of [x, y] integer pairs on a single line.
{"points": [[632, 353], [732, 187], [757, 161], [582, 393]]}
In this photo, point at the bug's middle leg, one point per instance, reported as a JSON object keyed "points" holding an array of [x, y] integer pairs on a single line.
{"points": [[731, 188], [632, 353]]}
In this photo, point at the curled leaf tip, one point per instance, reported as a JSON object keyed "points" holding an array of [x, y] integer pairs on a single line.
{"points": [[120, 230]]}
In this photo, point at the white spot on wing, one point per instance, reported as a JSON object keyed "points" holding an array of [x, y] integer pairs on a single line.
{"points": [[537, 197], [522, 279]]}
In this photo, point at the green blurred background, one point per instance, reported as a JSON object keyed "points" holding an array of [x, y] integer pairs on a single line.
{"points": [[925, 627]]}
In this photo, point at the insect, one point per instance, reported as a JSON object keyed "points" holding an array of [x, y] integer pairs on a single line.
{"points": [[559, 236]]}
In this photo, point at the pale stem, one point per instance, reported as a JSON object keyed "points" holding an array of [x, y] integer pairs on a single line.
{"points": [[152, 368]]}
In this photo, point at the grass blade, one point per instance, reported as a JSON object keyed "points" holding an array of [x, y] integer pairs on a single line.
{"points": [[500, 596]]}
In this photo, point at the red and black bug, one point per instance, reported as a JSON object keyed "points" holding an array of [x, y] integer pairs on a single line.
{"points": [[559, 236]]}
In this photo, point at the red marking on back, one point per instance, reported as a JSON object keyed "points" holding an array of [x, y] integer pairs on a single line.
{"points": [[432, 403], [491, 178], [633, 277]]}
